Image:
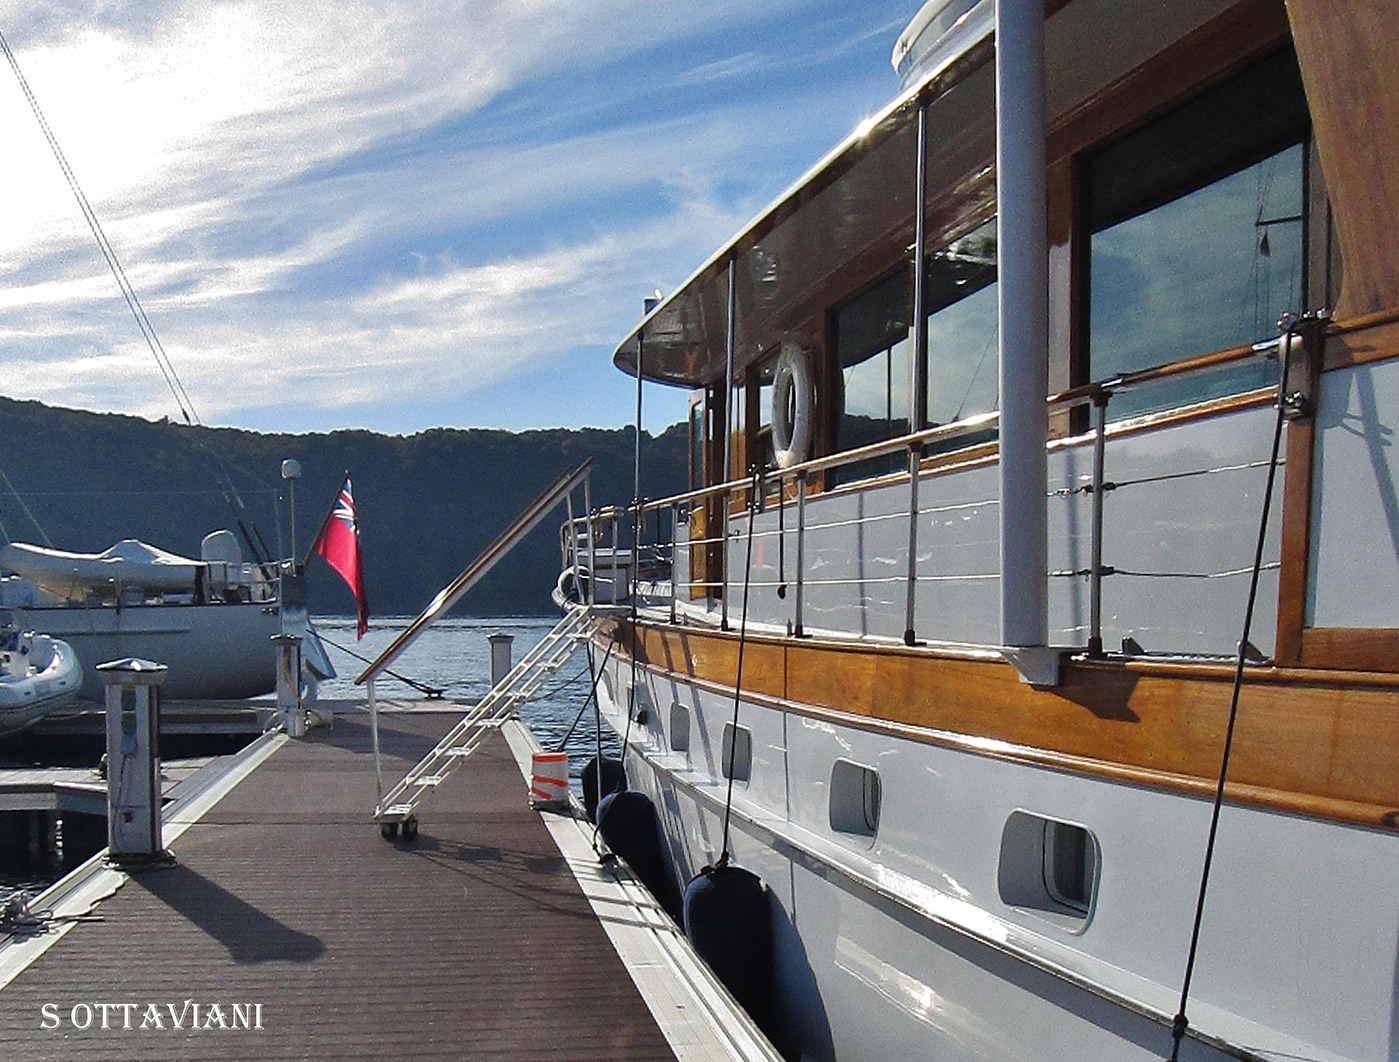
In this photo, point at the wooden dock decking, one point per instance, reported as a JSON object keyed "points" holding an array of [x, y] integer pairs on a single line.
{"points": [[474, 941]]}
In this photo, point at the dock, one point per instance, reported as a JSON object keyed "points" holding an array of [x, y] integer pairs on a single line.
{"points": [[290, 929]]}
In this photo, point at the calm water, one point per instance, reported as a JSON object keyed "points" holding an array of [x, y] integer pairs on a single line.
{"points": [[454, 655]]}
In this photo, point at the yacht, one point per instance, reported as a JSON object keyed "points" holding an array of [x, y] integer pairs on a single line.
{"points": [[1030, 626]]}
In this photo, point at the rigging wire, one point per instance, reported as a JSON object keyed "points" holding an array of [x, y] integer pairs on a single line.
{"points": [[261, 554], [1180, 1023], [592, 696], [27, 512], [143, 322], [723, 859]]}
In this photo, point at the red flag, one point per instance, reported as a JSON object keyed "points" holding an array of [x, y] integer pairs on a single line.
{"points": [[338, 543]]}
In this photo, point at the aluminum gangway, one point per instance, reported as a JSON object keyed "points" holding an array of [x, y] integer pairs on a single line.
{"points": [[399, 805]]}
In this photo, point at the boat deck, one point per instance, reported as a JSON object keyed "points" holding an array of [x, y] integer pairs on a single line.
{"points": [[474, 941]]}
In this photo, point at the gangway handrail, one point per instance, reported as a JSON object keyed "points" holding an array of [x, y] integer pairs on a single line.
{"points": [[502, 544], [523, 681]]}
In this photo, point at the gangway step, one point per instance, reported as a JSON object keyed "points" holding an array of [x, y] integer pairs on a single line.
{"points": [[520, 685]]}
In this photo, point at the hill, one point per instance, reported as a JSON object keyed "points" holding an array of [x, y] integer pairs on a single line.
{"points": [[427, 503]]}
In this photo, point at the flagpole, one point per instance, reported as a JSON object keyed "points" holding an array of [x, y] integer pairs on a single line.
{"points": [[330, 512]]}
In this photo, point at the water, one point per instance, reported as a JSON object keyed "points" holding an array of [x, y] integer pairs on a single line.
{"points": [[454, 655]]}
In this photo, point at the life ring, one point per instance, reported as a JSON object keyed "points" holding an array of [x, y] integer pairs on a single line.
{"points": [[792, 397]]}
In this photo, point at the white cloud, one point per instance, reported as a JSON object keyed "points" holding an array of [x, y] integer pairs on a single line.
{"points": [[278, 184]]}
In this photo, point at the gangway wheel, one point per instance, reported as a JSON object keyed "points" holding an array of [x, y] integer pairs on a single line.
{"points": [[388, 830], [410, 828]]}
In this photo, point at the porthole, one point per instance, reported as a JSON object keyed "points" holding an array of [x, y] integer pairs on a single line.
{"points": [[855, 799], [1050, 867], [679, 728], [737, 757]]}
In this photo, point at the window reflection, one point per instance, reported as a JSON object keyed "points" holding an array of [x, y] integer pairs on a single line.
{"points": [[1197, 239], [962, 329], [874, 344]]}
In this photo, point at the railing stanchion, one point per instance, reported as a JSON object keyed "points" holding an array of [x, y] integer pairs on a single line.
{"points": [[914, 458], [724, 565], [801, 552], [1095, 563], [592, 552], [674, 555]]}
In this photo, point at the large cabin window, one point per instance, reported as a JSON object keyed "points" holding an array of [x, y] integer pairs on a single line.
{"points": [[1197, 236], [697, 440], [874, 343], [963, 348], [872, 351]]}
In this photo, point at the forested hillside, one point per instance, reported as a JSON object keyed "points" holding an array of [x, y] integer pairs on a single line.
{"points": [[427, 503]]}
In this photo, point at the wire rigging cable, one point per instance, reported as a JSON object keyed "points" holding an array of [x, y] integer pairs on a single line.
{"points": [[723, 859], [1284, 404], [162, 360]]}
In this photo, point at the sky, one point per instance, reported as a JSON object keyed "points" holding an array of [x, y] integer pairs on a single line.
{"points": [[397, 215]]}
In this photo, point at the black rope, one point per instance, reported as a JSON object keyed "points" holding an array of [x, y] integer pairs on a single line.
{"points": [[781, 538], [422, 687], [631, 693], [592, 696], [1180, 1023], [723, 859]]}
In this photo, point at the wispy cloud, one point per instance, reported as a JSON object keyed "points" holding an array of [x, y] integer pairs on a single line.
{"points": [[325, 205]]}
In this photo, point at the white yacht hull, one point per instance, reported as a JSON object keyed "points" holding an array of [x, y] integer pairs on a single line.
{"points": [[213, 652], [902, 946]]}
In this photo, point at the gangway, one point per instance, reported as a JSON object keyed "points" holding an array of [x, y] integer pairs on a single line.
{"points": [[399, 805]]}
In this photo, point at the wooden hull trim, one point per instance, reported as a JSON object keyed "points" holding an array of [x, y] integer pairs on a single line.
{"points": [[1313, 743]]}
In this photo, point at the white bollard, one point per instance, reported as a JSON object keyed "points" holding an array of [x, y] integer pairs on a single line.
{"points": [[500, 656]]}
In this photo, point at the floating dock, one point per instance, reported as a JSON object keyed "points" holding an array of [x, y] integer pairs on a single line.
{"points": [[289, 928]]}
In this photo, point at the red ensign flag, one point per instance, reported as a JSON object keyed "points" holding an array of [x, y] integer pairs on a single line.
{"points": [[338, 543]]}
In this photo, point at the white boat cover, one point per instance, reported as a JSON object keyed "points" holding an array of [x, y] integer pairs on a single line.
{"points": [[127, 564]]}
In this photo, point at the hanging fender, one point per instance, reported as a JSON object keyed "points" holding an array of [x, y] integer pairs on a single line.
{"points": [[793, 396]]}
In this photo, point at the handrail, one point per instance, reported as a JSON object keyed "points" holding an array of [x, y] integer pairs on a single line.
{"points": [[502, 544], [1167, 370], [1080, 395], [1098, 394]]}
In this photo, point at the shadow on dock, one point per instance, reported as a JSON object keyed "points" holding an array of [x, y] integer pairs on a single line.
{"points": [[247, 933]]}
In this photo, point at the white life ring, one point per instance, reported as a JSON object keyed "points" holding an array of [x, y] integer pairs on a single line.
{"points": [[793, 395]]}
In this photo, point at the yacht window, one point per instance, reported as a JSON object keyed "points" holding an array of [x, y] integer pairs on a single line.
{"points": [[697, 442], [1197, 236], [960, 292], [872, 347], [762, 377]]}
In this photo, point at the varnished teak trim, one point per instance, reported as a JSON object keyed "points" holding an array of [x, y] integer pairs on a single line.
{"points": [[1312, 743]]}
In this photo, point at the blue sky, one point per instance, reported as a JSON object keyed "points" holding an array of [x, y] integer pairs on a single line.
{"points": [[398, 215]]}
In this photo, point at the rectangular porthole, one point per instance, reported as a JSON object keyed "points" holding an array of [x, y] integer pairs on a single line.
{"points": [[737, 759], [679, 728], [1049, 867], [855, 799], [640, 704]]}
